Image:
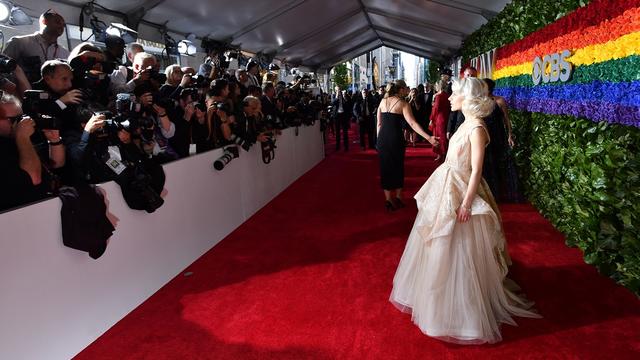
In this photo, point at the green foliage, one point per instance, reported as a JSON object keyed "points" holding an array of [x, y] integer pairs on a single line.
{"points": [[585, 178], [434, 71], [517, 20], [341, 76]]}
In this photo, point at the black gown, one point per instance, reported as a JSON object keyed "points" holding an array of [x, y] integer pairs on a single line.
{"points": [[391, 147], [499, 168]]}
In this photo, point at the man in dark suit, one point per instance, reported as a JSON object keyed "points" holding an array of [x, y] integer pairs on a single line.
{"points": [[341, 112], [364, 111]]}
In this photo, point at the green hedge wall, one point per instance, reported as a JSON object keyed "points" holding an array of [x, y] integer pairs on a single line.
{"points": [[585, 178], [517, 20]]}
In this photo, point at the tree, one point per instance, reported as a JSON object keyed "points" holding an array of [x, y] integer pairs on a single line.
{"points": [[341, 76]]}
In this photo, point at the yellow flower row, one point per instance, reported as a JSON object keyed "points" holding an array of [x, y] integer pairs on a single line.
{"points": [[622, 47]]}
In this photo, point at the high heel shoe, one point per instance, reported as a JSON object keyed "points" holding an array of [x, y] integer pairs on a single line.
{"points": [[388, 205], [397, 203]]}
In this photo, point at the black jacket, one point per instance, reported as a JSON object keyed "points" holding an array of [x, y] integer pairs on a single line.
{"points": [[85, 225], [456, 118]]}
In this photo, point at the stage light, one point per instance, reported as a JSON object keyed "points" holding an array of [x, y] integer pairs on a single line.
{"points": [[13, 15], [5, 12], [186, 47], [125, 33]]}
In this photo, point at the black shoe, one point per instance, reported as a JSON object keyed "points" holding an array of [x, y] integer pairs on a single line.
{"points": [[398, 203], [388, 205]]}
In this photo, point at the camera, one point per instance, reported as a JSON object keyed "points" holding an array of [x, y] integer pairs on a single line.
{"points": [[222, 106], [191, 91], [230, 153], [155, 75], [32, 105], [7, 64], [245, 144], [200, 81]]}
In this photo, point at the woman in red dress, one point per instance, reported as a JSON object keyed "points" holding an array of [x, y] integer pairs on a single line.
{"points": [[439, 117]]}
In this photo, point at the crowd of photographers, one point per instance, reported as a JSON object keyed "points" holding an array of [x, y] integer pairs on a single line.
{"points": [[84, 117]]}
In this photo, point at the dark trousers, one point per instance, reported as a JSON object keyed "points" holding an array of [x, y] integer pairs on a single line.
{"points": [[367, 132], [342, 123]]}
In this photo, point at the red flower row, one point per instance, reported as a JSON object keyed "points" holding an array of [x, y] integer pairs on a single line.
{"points": [[606, 31], [593, 14]]}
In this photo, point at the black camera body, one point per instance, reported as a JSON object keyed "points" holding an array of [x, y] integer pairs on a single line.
{"points": [[156, 75], [32, 105], [7, 64]]}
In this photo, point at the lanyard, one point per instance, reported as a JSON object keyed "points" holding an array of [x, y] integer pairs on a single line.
{"points": [[44, 51]]}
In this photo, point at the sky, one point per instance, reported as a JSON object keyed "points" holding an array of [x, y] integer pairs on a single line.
{"points": [[409, 64]]}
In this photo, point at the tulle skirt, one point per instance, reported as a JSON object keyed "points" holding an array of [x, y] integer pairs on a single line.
{"points": [[452, 276]]}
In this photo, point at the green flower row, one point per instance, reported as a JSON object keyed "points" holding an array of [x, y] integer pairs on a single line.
{"points": [[619, 70]]}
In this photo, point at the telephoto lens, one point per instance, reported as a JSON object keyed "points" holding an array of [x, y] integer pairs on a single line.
{"points": [[230, 153]]}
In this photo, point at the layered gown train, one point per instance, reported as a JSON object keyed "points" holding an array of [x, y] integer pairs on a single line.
{"points": [[452, 275]]}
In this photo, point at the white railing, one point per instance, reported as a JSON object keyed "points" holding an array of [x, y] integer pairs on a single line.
{"points": [[54, 300]]}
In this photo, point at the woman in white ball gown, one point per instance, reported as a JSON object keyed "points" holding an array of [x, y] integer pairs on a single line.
{"points": [[452, 274]]}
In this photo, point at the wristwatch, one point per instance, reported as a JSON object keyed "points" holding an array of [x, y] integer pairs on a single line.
{"points": [[54, 143]]}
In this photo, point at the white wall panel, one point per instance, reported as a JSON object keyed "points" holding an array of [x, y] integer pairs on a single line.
{"points": [[54, 300]]}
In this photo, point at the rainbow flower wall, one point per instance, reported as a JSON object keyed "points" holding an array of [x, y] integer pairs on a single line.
{"points": [[604, 38]]}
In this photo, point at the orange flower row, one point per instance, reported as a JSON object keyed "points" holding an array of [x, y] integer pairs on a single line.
{"points": [[628, 22]]}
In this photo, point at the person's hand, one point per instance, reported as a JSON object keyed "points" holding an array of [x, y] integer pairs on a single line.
{"points": [[186, 80], [142, 76], [52, 135], [72, 97], [434, 140], [511, 140], [96, 122], [146, 99], [189, 110], [8, 86], [25, 128], [159, 110], [463, 214], [448, 135], [263, 138]]}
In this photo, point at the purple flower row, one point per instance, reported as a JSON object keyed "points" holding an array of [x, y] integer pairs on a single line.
{"points": [[593, 110]]}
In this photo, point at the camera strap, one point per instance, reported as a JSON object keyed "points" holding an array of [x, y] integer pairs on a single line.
{"points": [[268, 151]]}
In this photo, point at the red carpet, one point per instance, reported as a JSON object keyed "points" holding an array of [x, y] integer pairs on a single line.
{"points": [[309, 276]]}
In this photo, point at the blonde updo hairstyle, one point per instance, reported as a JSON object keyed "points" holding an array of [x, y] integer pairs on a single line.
{"points": [[477, 103], [394, 87]]}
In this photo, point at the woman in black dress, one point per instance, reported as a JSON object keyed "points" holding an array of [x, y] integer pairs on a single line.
{"points": [[390, 145], [499, 167]]}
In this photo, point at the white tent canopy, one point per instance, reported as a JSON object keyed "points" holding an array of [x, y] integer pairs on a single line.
{"points": [[315, 33]]}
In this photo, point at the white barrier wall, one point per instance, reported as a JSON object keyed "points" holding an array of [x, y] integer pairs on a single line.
{"points": [[54, 301]]}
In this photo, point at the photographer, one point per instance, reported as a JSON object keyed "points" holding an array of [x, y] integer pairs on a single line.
{"points": [[12, 78], [249, 126], [182, 119], [176, 82], [253, 72], [22, 179], [156, 126], [268, 100], [220, 118], [242, 78], [56, 81]]}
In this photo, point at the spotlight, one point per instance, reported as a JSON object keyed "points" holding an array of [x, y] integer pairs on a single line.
{"points": [[13, 15], [5, 12], [127, 34], [186, 47]]}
